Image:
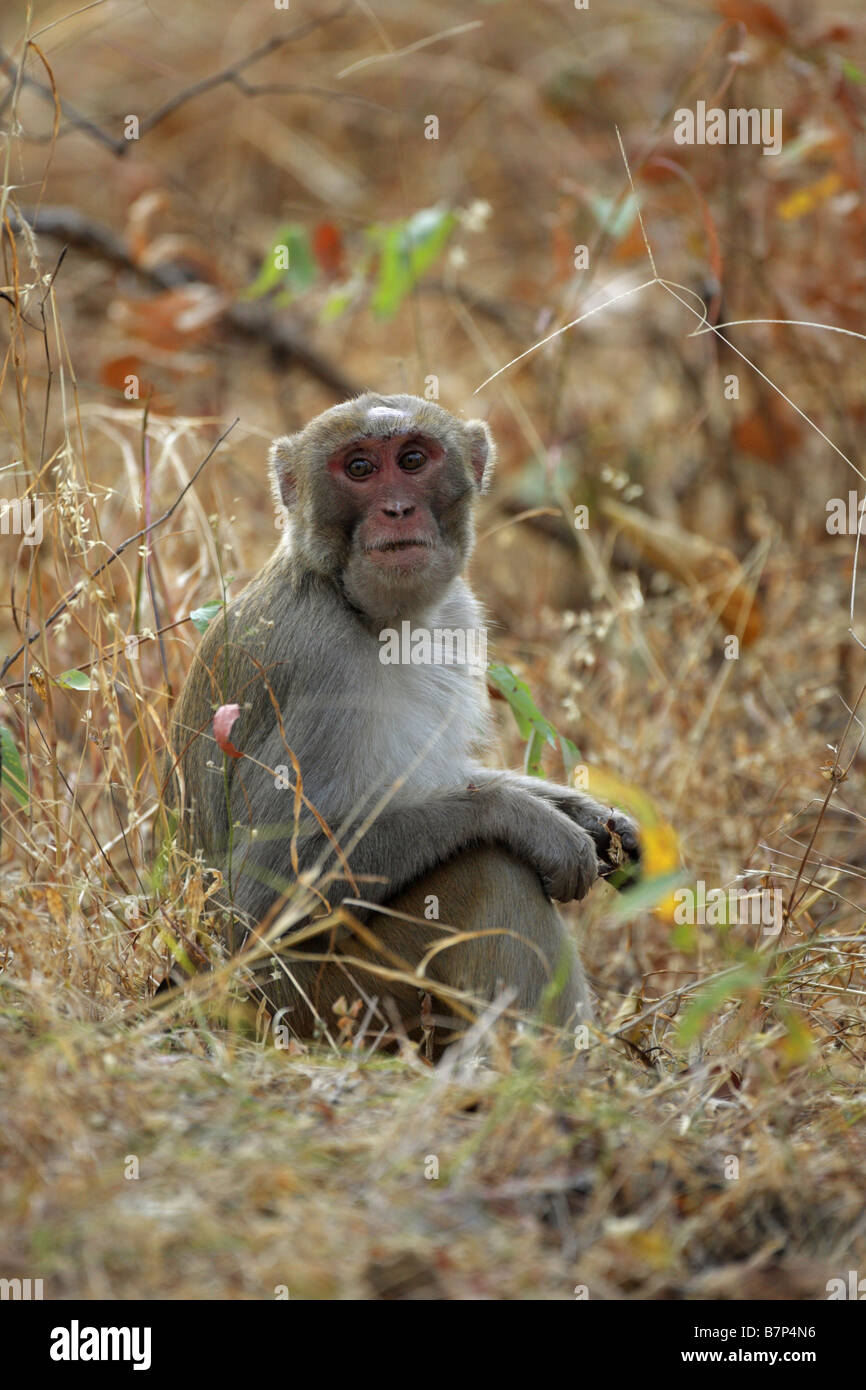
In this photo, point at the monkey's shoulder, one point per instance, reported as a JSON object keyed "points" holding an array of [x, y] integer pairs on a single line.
{"points": [[280, 639], [275, 611]]}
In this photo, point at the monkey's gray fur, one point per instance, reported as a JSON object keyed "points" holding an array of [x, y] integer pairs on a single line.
{"points": [[491, 848]]}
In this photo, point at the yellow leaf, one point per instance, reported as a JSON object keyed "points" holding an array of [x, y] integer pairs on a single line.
{"points": [[805, 200], [660, 846], [798, 1043]]}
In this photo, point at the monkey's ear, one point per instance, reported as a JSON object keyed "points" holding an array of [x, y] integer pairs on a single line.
{"points": [[281, 459], [482, 452]]}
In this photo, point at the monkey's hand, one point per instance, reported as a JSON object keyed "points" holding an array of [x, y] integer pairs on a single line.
{"points": [[564, 855], [535, 830], [615, 836]]}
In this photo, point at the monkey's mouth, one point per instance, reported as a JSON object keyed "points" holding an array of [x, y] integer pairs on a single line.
{"points": [[406, 553], [401, 545]]}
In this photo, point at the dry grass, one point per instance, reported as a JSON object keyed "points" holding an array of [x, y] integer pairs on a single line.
{"points": [[700, 1152]]}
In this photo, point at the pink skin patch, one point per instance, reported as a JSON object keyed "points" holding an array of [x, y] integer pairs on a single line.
{"points": [[223, 719], [397, 529]]}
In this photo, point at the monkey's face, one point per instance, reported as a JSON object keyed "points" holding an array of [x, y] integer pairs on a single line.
{"points": [[381, 492], [403, 504]]}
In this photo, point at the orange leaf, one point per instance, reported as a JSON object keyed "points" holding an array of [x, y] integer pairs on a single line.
{"points": [[328, 248], [115, 372]]}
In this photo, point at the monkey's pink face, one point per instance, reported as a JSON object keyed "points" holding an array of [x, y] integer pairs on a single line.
{"points": [[393, 490]]}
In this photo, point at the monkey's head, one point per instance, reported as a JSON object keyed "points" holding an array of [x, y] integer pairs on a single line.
{"points": [[380, 493]]}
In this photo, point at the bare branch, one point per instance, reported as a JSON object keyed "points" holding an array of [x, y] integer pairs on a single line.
{"points": [[247, 320], [75, 119], [230, 74]]}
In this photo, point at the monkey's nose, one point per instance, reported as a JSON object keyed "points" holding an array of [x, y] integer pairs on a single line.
{"points": [[398, 509]]}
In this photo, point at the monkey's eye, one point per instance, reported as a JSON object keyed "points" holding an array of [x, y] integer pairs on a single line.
{"points": [[413, 460], [359, 468]]}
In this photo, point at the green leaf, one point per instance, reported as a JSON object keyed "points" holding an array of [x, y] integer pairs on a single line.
{"points": [[531, 723], [685, 938], [570, 756], [527, 715], [852, 72], [163, 858], [614, 216], [534, 749], [406, 250], [75, 680], [730, 985], [14, 777], [205, 615], [300, 272], [538, 731], [339, 299], [645, 895]]}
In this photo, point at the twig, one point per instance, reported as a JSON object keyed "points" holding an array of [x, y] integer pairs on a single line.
{"points": [[76, 121], [121, 147], [232, 73], [247, 320], [836, 775]]}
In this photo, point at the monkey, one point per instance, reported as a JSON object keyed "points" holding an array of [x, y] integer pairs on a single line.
{"points": [[458, 864]]}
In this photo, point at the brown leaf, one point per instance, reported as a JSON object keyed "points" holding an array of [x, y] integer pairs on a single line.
{"points": [[758, 17], [403, 1276], [115, 373], [37, 680], [694, 561], [767, 434], [172, 319], [55, 906]]}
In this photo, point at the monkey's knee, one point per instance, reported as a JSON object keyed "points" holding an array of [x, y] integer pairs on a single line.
{"points": [[508, 936]]}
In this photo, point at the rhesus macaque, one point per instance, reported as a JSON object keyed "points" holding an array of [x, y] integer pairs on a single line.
{"points": [[379, 495]]}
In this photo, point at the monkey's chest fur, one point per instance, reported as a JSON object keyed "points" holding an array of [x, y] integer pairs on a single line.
{"points": [[420, 723], [357, 724]]}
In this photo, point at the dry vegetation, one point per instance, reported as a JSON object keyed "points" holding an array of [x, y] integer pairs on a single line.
{"points": [[714, 1143]]}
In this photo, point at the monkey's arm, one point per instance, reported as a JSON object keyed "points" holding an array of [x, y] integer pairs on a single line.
{"points": [[598, 820], [407, 840]]}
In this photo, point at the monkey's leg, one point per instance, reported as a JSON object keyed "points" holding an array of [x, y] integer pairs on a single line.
{"points": [[522, 942]]}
